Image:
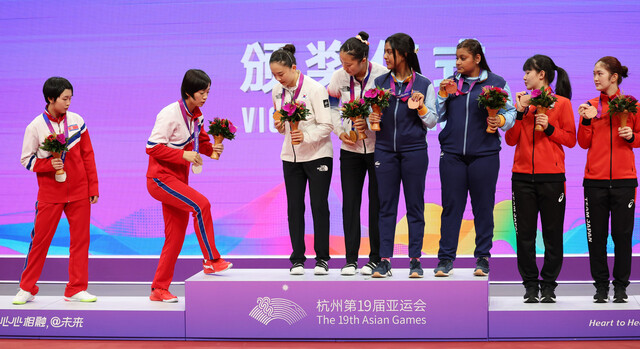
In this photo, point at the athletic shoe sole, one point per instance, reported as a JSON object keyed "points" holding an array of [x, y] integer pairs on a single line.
{"points": [[320, 272], [378, 275], [206, 272], [600, 300], [172, 300], [619, 301], [479, 272], [90, 300], [415, 275], [441, 273], [23, 303], [548, 300], [347, 273], [532, 300]]}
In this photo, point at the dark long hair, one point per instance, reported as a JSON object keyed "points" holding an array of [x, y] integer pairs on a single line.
{"points": [[545, 63], [475, 48], [404, 45]]}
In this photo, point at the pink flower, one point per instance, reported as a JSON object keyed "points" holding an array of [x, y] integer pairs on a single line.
{"points": [[290, 108], [232, 128], [372, 93], [536, 93], [61, 139], [362, 101], [302, 104]]}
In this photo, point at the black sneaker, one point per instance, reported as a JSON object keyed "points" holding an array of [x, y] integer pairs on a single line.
{"points": [[368, 268], [531, 294], [322, 268], [548, 295], [415, 270], [444, 268], [349, 269], [602, 294], [297, 269], [382, 270], [620, 294], [482, 267]]}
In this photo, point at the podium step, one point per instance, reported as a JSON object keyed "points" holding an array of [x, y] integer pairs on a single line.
{"points": [[271, 304], [570, 317]]}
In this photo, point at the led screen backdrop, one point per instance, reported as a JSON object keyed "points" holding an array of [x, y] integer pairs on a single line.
{"points": [[126, 60]]}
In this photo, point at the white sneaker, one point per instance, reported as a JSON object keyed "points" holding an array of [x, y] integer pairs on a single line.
{"points": [[349, 269], [297, 269], [22, 297], [82, 296], [368, 268], [322, 268]]}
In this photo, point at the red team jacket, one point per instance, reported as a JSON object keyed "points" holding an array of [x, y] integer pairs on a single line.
{"points": [[610, 159], [79, 164], [539, 156]]}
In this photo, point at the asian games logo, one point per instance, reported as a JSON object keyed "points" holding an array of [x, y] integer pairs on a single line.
{"points": [[269, 309]]}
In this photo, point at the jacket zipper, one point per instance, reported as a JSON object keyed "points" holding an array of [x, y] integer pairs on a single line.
{"points": [[466, 125], [533, 155], [610, 152], [395, 118]]}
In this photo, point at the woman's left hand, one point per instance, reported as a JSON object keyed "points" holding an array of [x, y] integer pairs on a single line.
{"points": [[418, 97], [542, 120], [297, 136], [218, 148], [493, 121], [93, 199], [625, 132]]}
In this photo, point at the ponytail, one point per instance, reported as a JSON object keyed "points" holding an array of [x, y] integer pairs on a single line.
{"points": [[404, 45], [545, 63]]}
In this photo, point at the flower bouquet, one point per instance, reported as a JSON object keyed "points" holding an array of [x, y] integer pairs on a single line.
{"points": [[621, 106], [377, 98], [294, 112], [543, 99], [221, 129], [352, 110], [56, 144], [493, 99]]}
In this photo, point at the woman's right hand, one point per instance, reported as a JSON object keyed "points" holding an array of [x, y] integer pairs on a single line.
{"points": [[192, 157], [279, 125], [361, 124], [344, 137], [57, 164], [443, 85], [582, 111], [297, 136], [374, 117], [519, 106]]}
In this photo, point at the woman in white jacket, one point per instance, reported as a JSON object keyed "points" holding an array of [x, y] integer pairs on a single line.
{"points": [[309, 161], [349, 83]]}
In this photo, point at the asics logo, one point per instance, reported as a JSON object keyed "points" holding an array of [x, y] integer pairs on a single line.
{"points": [[377, 164], [630, 203], [561, 197], [323, 168]]}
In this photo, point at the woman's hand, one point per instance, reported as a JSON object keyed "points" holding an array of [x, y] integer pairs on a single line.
{"points": [[93, 199], [344, 137], [582, 111], [443, 87], [361, 124], [192, 157], [218, 148], [374, 117], [519, 105], [297, 136], [279, 125], [542, 120], [625, 132], [57, 164], [418, 97]]}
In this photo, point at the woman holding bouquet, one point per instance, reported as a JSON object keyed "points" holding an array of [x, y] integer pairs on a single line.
{"points": [[347, 84], [307, 155], [469, 160], [73, 195], [538, 179], [401, 149], [610, 179], [176, 142]]}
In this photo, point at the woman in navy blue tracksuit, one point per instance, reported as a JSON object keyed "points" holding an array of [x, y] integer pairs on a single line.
{"points": [[401, 149], [469, 158]]}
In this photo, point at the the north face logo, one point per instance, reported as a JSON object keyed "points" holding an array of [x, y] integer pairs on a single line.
{"points": [[323, 168]]}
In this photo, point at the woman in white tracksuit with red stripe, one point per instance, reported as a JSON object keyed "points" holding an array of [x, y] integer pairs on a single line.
{"points": [[177, 140]]}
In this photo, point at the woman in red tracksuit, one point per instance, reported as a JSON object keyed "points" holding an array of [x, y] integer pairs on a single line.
{"points": [[610, 180], [177, 140], [73, 196], [538, 180]]}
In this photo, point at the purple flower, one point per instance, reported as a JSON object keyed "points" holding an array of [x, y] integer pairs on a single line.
{"points": [[536, 93], [371, 93], [61, 139], [290, 108]]}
